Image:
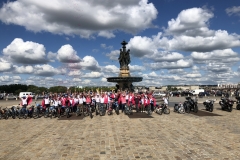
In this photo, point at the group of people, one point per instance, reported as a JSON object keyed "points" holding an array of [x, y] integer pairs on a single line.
{"points": [[140, 101]]}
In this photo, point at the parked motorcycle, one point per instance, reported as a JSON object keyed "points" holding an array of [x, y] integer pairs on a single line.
{"points": [[102, 110], [190, 105], [23, 113], [208, 104], [238, 103], [67, 111], [30, 111], [53, 112], [116, 106], [128, 109], [179, 108], [78, 111], [87, 111], [1, 112], [226, 104], [5, 113], [149, 111], [12, 112], [160, 109]]}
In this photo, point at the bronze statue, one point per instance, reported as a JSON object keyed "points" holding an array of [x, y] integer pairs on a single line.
{"points": [[124, 57]]}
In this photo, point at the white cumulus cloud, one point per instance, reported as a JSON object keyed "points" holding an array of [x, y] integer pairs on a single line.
{"points": [[67, 54], [25, 52], [75, 17]]}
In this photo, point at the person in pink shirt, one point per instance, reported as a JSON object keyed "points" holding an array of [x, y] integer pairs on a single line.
{"points": [[123, 101]]}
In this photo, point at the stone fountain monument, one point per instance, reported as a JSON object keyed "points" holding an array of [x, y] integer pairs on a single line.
{"points": [[124, 80]]}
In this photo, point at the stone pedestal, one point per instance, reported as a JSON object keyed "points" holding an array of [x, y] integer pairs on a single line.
{"points": [[124, 73]]}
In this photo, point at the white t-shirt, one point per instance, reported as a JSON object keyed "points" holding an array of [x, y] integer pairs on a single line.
{"points": [[55, 103], [59, 102], [84, 99], [102, 100], [80, 100], [76, 100], [165, 100], [46, 100], [24, 101], [97, 99]]}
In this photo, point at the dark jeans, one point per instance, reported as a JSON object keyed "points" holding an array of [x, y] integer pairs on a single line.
{"points": [[152, 107], [123, 106]]}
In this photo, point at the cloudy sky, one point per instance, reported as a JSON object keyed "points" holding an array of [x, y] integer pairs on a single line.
{"points": [[77, 42]]}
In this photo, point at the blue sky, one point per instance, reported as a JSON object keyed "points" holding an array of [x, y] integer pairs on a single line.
{"points": [[77, 42]]}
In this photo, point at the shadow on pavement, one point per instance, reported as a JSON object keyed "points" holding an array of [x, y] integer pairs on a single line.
{"points": [[139, 115], [72, 117], [201, 113]]}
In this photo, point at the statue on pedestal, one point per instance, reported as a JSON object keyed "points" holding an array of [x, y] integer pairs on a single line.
{"points": [[124, 57]]}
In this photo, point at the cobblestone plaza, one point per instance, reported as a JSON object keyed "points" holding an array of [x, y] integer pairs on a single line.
{"points": [[173, 136]]}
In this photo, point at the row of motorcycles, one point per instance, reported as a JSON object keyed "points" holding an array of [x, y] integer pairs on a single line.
{"points": [[191, 105], [37, 111]]}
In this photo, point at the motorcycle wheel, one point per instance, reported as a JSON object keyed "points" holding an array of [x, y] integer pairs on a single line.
{"points": [[20, 116], [85, 114], [68, 115], [238, 107], [210, 108], [117, 110], [195, 109], [6, 116], [187, 110], [45, 114], [160, 111], [167, 111], [229, 108], [222, 108], [91, 116], [181, 110], [14, 116], [77, 113]]}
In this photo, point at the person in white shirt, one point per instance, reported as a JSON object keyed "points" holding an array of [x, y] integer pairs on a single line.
{"points": [[80, 103], [47, 103], [165, 100], [97, 98], [24, 104]]}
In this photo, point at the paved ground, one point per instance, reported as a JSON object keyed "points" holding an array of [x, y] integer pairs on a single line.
{"points": [[173, 136]]}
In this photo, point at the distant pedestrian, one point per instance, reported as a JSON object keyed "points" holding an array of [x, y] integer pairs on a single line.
{"points": [[36, 97]]}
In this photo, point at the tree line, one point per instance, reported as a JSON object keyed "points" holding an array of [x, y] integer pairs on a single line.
{"points": [[17, 88]]}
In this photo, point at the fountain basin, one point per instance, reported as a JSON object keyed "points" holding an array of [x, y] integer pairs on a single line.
{"points": [[124, 79]]}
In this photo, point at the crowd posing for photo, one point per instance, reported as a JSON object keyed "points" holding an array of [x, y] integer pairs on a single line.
{"points": [[108, 100]]}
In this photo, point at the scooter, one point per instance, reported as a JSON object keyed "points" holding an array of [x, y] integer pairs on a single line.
{"points": [[179, 108]]}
